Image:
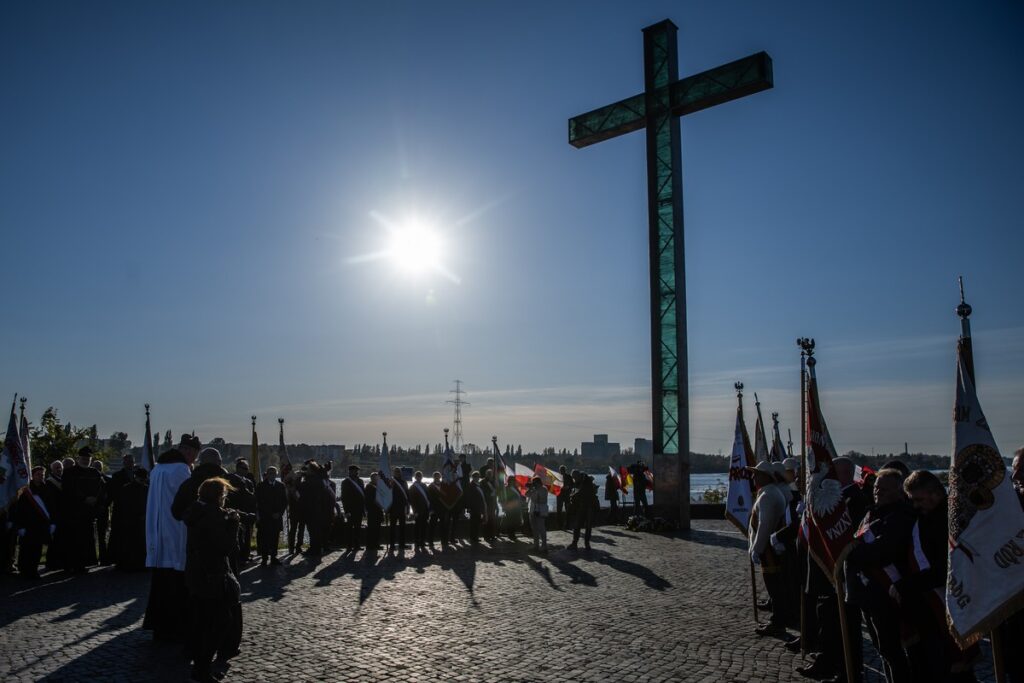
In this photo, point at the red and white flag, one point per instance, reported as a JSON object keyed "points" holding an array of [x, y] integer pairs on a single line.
{"points": [[552, 480], [829, 523], [740, 497], [523, 476], [985, 583]]}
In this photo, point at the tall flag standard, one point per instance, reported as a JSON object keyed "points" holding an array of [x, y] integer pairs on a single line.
{"points": [[985, 583], [451, 483], [26, 446], [384, 481], [254, 457], [148, 454], [740, 497], [284, 465], [13, 468], [829, 525], [760, 442], [778, 453]]}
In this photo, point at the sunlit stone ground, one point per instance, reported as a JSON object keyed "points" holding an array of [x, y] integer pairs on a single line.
{"points": [[639, 607]]}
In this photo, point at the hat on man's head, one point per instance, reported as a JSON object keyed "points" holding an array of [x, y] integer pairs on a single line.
{"points": [[779, 470], [792, 464], [84, 452], [763, 467], [190, 441], [242, 462], [353, 468], [209, 456]]}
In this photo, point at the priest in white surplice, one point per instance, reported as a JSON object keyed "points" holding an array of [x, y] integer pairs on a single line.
{"points": [[167, 612]]}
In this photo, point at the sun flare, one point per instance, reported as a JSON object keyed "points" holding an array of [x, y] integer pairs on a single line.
{"points": [[415, 248]]}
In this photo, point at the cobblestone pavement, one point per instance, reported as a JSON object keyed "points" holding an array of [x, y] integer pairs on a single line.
{"points": [[639, 607]]}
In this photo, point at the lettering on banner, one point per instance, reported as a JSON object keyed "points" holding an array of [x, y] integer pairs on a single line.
{"points": [[840, 527], [961, 413], [1009, 553], [956, 589]]}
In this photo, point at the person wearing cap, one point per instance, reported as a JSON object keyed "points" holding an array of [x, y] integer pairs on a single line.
{"points": [[84, 496], [795, 555], [353, 501], [766, 517], [167, 607], [209, 467], [271, 501]]}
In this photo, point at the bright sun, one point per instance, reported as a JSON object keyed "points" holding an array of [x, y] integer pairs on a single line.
{"points": [[415, 247]]}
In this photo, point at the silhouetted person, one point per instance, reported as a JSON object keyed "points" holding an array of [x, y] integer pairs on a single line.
{"points": [[611, 494], [33, 524], [512, 503], [562, 499], [353, 500], [397, 512], [56, 551], [317, 506], [214, 592], [419, 500], [639, 473], [83, 498], [114, 484], [583, 506], [128, 517], [296, 520], [374, 515], [103, 514], [476, 504], [537, 501], [271, 502], [440, 517], [243, 499]]}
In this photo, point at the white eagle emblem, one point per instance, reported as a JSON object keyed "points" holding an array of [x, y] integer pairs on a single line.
{"points": [[823, 495]]}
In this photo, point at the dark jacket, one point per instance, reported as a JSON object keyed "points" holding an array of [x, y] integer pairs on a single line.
{"points": [[353, 496], [188, 493], [29, 515], [420, 503], [84, 492], [583, 500], [373, 512], [611, 488], [400, 496], [212, 541], [243, 497], [473, 499], [271, 501], [884, 537]]}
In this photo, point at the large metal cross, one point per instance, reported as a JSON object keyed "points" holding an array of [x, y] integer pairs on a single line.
{"points": [[658, 108]]}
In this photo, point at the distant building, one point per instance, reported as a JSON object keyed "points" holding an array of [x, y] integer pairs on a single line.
{"points": [[600, 449], [643, 449]]}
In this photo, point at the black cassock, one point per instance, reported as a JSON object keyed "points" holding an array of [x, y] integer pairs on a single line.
{"points": [[129, 521], [84, 492]]}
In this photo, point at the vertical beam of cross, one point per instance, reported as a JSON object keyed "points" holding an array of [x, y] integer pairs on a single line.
{"points": [[670, 404]]}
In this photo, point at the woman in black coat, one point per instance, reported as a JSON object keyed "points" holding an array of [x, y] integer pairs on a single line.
{"points": [[214, 593]]}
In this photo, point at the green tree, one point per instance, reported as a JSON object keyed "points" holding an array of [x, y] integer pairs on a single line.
{"points": [[53, 441]]}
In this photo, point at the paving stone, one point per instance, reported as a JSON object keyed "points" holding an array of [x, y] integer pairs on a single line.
{"points": [[639, 607]]}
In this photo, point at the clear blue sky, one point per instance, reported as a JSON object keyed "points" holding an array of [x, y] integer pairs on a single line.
{"points": [[183, 185]]}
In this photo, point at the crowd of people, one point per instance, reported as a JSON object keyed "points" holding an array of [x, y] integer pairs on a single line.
{"points": [[895, 575]]}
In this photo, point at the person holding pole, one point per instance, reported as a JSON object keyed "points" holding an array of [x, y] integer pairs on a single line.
{"points": [[767, 517]]}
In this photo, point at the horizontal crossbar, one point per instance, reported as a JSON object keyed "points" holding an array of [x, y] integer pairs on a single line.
{"points": [[723, 83]]}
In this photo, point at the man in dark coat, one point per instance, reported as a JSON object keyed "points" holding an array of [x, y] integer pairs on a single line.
{"points": [[114, 483], [611, 494], [243, 498], [353, 500], [83, 498], [583, 507], [562, 499], [317, 506], [476, 504], [271, 501], [419, 500], [33, 523], [296, 520], [103, 514], [56, 551], [399, 509], [209, 467], [439, 514], [374, 516], [128, 517]]}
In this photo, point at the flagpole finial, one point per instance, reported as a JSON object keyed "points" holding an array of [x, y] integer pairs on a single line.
{"points": [[446, 437], [147, 409], [964, 309], [280, 421], [775, 418], [385, 434], [494, 439], [757, 401], [254, 422], [738, 386]]}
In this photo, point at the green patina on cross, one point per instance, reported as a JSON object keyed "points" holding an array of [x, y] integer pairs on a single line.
{"points": [[658, 108]]}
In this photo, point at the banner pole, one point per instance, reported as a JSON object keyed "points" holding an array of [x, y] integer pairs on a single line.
{"points": [[803, 486], [998, 664], [847, 655], [753, 591]]}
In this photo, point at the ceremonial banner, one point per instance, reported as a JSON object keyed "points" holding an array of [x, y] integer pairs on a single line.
{"points": [[148, 456], [284, 464], [384, 481], [451, 485], [254, 457], [760, 442], [26, 446], [985, 583], [829, 524], [13, 469], [740, 497], [523, 475], [552, 480], [778, 453]]}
